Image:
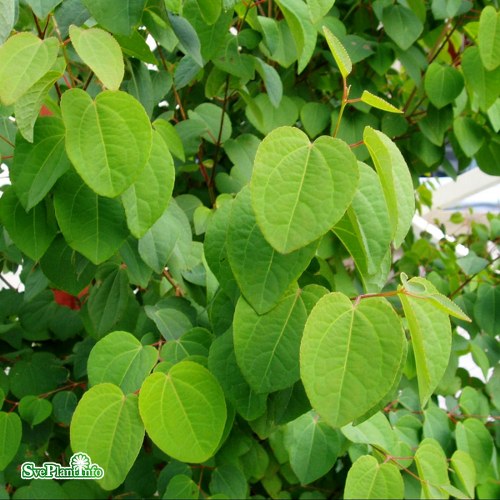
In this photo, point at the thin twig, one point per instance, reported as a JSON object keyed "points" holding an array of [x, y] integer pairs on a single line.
{"points": [[178, 290]]}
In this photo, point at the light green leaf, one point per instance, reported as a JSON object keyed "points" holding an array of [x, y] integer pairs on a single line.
{"points": [[465, 470], [101, 53], [7, 18], [37, 167], [210, 10], [146, 199], [402, 25], [173, 316], [489, 37], [119, 358], [431, 338], [442, 84], [107, 426], [263, 275], [369, 479], [313, 447], [471, 263], [303, 32], [31, 231], [267, 346], [422, 288], [107, 140], [222, 363], [378, 102], [210, 117], [339, 53], [10, 437], [34, 410], [184, 411], [24, 59], [484, 83], [365, 229], [28, 106], [117, 16], [42, 8], [101, 232], [171, 138], [300, 190], [396, 181], [319, 8], [474, 438], [341, 343], [432, 468]]}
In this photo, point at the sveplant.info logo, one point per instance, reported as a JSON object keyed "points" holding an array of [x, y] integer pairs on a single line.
{"points": [[80, 467]]}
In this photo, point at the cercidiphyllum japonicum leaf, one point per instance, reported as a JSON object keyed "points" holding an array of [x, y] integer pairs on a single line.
{"points": [[117, 16], [36, 167], [313, 447], [367, 478], [92, 225], [377, 102], [489, 37], [101, 53], [349, 356], [120, 358], [396, 181], [222, 363], [107, 426], [430, 332], [339, 53], [8, 15], [267, 346], [27, 107], [184, 411], [365, 229], [422, 288], [263, 274], [24, 59], [108, 139], [146, 199], [402, 25], [31, 231], [432, 467], [215, 247], [10, 437], [301, 189], [301, 28], [464, 471]]}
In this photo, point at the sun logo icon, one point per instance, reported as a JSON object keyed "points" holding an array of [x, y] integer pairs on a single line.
{"points": [[80, 462]]}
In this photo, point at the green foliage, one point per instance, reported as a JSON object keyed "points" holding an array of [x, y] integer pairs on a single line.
{"points": [[206, 201]]}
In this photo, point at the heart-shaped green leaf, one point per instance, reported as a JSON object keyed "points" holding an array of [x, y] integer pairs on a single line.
{"points": [[107, 140], [267, 346], [300, 190], [101, 232], [119, 358], [101, 53], [24, 59], [367, 478], [340, 345], [396, 181], [184, 411], [106, 425], [263, 274], [10, 437]]}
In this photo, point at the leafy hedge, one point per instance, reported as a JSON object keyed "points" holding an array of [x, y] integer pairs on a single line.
{"points": [[209, 209]]}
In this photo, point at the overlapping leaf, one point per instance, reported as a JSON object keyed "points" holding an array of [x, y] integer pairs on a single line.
{"points": [[341, 344], [300, 190]]}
